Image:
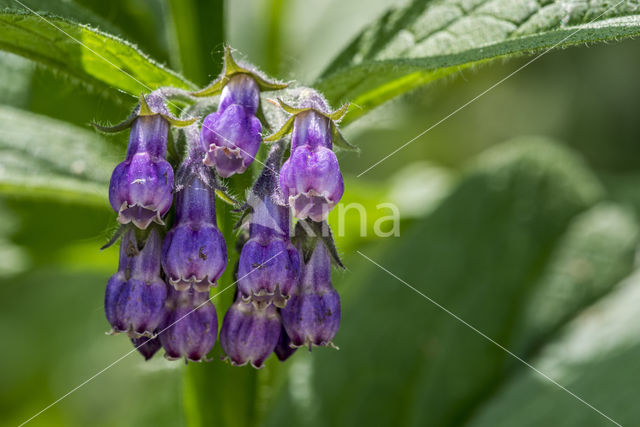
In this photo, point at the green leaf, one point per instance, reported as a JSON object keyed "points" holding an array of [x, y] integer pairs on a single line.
{"points": [[519, 223], [72, 11], [45, 158], [199, 36], [595, 253], [88, 54], [428, 40], [595, 357]]}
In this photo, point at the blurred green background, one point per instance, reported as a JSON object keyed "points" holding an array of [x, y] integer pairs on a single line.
{"points": [[519, 214]]}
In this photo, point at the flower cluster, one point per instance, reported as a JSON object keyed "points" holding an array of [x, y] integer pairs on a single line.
{"points": [[172, 251]]}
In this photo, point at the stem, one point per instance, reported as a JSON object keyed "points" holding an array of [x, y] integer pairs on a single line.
{"points": [[267, 182]]}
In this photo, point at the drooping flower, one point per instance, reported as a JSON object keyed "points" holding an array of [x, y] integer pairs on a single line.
{"points": [[190, 327], [141, 186], [249, 334], [312, 315], [310, 179], [269, 265], [231, 136], [194, 251], [136, 294]]}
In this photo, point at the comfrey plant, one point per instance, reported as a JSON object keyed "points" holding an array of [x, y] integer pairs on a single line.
{"points": [[171, 249]]}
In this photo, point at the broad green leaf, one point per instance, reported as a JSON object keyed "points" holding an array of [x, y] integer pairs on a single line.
{"points": [[594, 254], [512, 228], [198, 26], [428, 40], [45, 158], [595, 356], [15, 79], [88, 54], [73, 11]]}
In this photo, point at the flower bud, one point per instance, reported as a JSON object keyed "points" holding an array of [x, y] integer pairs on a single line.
{"points": [[194, 251], [269, 265], [231, 136], [146, 346], [312, 315], [283, 348], [135, 295], [141, 187], [191, 325], [249, 334]]}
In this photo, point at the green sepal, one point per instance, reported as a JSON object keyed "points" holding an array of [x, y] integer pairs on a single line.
{"points": [[340, 141], [284, 130], [146, 110], [291, 109], [140, 110], [338, 114], [335, 116], [244, 211], [125, 124], [306, 236], [231, 68], [179, 123], [226, 198]]}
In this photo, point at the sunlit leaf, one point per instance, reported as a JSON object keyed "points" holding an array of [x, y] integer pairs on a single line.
{"points": [[428, 40], [88, 54], [45, 158]]}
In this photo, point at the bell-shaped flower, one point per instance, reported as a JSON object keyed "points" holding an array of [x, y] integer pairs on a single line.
{"points": [[249, 334], [191, 325], [312, 315], [135, 296], [141, 187], [194, 252]]}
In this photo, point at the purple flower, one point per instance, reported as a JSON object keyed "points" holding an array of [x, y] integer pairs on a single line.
{"points": [[312, 315], [249, 334], [231, 136], [194, 251], [135, 295], [146, 346], [190, 327], [311, 181], [141, 187], [283, 349], [269, 265]]}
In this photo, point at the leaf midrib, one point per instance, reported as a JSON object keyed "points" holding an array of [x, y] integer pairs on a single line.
{"points": [[508, 47]]}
